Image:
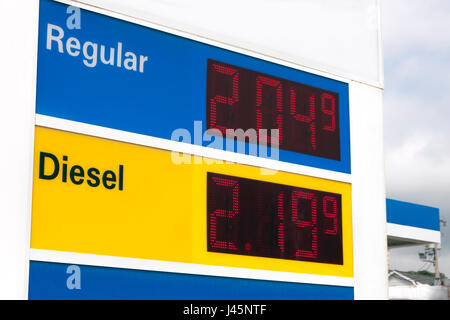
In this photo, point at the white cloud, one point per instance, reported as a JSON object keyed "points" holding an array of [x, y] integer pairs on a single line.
{"points": [[417, 111], [415, 23]]}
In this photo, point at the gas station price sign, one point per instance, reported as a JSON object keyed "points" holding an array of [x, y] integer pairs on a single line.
{"points": [[105, 180]]}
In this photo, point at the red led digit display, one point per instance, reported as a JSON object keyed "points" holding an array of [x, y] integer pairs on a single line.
{"points": [[307, 117], [256, 218]]}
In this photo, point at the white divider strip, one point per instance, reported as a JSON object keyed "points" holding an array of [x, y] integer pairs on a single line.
{"points": [[140, 139], [413, 233], [186, 268]]}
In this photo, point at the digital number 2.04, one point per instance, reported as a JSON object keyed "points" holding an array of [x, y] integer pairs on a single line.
{"points": [[307, 118]]}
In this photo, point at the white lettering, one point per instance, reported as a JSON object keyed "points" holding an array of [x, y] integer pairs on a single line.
{"points": [[142, 60], [119, 54], [90, 51], [73, 43], [131, 62], [50, 37], [111, 55], [90, 59]]}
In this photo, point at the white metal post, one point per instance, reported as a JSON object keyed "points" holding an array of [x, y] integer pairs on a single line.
{"points": [[18, 22], [368, 192]]}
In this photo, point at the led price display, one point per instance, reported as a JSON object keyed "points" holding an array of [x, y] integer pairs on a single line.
{"points": [[307, 117], [264, 219]]}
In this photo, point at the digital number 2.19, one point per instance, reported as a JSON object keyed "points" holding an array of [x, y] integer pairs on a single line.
{"points": [[257, 218]]}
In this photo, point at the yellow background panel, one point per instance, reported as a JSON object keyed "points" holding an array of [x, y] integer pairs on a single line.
{"points": [[161, 212]]}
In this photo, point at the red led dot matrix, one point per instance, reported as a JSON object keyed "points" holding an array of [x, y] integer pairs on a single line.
{"points": [[306, 117], [264, 219]]}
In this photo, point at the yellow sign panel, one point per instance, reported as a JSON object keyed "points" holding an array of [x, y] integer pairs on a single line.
{"points": [[104, 197]]}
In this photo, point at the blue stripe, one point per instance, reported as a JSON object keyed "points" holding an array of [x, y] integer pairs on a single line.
{"points": [[49, 281], [413, 215], [170, 94]]}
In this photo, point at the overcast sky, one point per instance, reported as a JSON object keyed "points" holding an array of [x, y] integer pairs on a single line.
{"points": [[416, 40]]}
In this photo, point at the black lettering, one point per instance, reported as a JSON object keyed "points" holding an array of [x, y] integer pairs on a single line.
{"points": [[64, 170], [107, 179], [55, 172], [75, 172], [95, 180], [121, 177]]}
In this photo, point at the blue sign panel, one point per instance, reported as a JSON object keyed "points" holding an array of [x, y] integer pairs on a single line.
{"points": [[62, 281], [116, 74], [413, 215]]}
